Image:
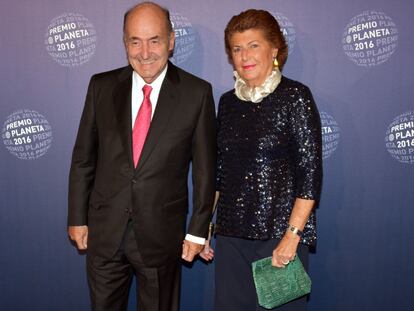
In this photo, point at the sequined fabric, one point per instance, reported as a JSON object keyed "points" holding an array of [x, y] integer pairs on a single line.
{"points": [[269, 154]]}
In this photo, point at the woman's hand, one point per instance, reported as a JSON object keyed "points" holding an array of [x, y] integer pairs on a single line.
{"points": [[285, 251], [207, 253]]}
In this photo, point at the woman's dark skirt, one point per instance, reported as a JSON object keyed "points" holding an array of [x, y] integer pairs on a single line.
{"points": [[234, 286]]}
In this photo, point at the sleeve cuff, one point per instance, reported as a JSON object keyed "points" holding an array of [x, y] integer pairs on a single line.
{"points": [[195, 239]]}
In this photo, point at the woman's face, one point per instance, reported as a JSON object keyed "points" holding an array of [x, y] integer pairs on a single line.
{"points": [[252, 56]]}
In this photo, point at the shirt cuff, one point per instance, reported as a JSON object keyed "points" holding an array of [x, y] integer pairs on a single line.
{"points": [[195, 239]]}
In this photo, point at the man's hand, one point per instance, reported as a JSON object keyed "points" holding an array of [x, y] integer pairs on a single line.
{"points": [[79, 234], [190, 249]]}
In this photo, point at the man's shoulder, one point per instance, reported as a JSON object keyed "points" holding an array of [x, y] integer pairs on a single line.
{"points": [[187, 77], [113, 74]]}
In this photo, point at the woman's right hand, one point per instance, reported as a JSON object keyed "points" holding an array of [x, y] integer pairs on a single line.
{"points": [[207, 253], [285, 251]]}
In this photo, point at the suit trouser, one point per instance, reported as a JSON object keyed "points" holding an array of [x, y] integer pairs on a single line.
{"points": [[234, 285], [158, 289]]}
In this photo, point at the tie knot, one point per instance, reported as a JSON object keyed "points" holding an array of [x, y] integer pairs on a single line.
{"points": [[147, 90]]}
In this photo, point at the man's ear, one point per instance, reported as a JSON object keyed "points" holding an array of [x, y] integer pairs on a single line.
{"points": [[172, 41]]}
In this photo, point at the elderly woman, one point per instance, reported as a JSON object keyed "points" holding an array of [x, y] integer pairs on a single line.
{"points": [[269, 163]]}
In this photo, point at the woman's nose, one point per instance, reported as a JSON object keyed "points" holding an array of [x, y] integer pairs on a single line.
{"points": [[244, 54]]}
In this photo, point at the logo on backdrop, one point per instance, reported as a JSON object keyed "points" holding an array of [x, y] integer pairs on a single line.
{"points": [[399, 138], [184, 38], [71, 39], [287, 29], [27, 134], [330, 134], [370, 38]]}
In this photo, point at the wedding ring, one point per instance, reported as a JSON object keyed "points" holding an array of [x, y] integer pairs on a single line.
{"points": [[285, 262]]}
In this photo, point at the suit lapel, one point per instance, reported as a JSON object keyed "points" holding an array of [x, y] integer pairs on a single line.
{"points": [[122, 101], [167, 98]]}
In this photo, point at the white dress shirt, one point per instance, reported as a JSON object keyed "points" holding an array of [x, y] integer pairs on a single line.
{"points": [[137, 98], [138, 95]]}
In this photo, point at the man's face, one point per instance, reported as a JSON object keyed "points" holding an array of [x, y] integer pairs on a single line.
{"points": [[147, 42]]}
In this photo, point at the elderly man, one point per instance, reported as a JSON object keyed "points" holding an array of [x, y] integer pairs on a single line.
{"points": [[141, 127]]}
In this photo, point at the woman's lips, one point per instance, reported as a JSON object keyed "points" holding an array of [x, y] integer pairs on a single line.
{"points": [[248, 67]]}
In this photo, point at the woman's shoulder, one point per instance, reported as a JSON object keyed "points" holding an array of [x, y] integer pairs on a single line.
{"points": [[297, 96], [292, 86], [229, 95], [228, 98]]}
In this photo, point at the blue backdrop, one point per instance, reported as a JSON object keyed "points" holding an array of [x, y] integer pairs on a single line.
{"points": [[356, 56]]}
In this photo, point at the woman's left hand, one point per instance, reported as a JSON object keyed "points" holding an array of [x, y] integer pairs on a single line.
{"points": [[207, 253], [285, 251]]}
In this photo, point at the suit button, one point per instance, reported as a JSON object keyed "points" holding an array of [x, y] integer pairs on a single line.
{"points": [[128, 210], [134, 181]]}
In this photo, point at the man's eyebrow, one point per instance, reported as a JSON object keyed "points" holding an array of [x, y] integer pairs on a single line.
{"points": [[137, 38], [133, 38]]}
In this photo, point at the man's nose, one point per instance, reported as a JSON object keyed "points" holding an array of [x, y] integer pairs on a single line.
{"points": [[145, 52]]}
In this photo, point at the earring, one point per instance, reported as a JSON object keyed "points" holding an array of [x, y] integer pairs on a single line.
{"points": [[275, 63]]}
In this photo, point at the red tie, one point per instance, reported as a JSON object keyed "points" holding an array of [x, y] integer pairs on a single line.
{"points": [[142, 124]]}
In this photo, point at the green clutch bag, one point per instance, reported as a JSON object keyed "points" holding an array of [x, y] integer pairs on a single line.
{"points": [[277, 286]]}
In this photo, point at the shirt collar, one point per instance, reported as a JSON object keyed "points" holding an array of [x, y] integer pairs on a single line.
{"points": [[156, 84]]}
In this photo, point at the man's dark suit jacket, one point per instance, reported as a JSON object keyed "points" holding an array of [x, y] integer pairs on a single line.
{"points": [[104, 186]]}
